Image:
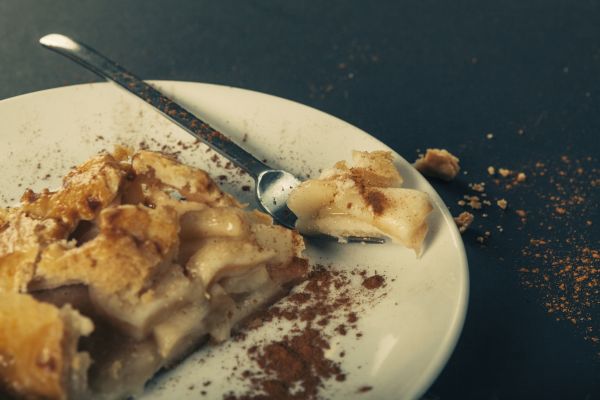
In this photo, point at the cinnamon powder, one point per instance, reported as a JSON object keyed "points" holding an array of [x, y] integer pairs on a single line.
{"points": [[374, 282], [296, 367], [556, 204]]}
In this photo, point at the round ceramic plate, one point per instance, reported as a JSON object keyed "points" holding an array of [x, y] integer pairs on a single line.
{"points": [[408, 334]]}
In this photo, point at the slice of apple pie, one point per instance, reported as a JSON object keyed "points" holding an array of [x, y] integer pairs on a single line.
{"points": [[134, 262], [363, 199]]}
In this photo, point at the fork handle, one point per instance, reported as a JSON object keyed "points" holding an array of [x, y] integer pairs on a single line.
{"points": [[108, 69]]}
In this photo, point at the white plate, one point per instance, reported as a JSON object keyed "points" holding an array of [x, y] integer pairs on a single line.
{"points": [[408, 336]]}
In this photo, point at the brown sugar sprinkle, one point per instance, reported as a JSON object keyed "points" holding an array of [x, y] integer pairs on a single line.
{"points": [[295, 367]]}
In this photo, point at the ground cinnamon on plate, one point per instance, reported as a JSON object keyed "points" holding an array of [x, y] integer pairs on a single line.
{"points": [[374, 282], [295, 367]]}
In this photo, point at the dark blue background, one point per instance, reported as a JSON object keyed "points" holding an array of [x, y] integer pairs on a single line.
{"points": [[413, 73]]}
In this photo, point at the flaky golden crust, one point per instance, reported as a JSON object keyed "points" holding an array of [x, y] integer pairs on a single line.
{"points": [[133, 243], [86, 190], [47, 217], [17, 270], [21, 240], [192, 183], [32, 356], [22, 231]]}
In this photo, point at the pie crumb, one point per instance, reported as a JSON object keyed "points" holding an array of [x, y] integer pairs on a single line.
{"points": [[463, 221], [502, 203], [504, 172], [474, 202], [438, 163], [478, 187]]}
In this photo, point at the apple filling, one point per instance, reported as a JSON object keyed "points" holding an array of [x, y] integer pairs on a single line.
{"points": [[364, 199], [135, 262]]}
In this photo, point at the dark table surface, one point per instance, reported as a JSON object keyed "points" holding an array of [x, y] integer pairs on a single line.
{"points": [[512, 84]]}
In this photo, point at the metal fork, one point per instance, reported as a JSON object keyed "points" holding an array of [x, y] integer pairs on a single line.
{"points": [[273, 186]]}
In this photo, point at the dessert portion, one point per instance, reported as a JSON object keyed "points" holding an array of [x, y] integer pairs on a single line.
{"points": [[362, 199], [438, 163], [133, 263]]}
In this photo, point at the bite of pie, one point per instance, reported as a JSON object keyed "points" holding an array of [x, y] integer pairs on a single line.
{"points": [[132, 264], [362, 199]]}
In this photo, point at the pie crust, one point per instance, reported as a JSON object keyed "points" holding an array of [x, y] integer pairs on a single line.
{"points": [[132, 264]]}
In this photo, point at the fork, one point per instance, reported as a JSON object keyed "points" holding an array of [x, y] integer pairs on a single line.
{"points": [[272, 186]]}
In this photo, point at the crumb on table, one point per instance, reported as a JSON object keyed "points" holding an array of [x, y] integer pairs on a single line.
{"points": [[438, 163], [463, 221], [502, 203]]}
